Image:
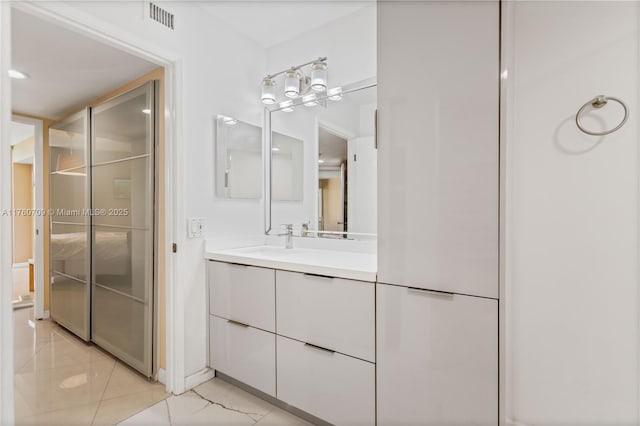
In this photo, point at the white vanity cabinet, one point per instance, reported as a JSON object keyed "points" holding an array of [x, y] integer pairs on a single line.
{"points": [[242, 343], [437, 358], [438, 75], [306, 339]]}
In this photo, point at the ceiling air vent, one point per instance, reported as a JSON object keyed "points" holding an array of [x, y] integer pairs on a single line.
{"points": [[161, 15]]}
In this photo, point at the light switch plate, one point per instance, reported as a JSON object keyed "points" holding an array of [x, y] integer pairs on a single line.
{"points": [[195, 227]]}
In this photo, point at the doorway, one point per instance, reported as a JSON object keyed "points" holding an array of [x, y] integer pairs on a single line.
{"points": [[54, 91], [23, 200]]}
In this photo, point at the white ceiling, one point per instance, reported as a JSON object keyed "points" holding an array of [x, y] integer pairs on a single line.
{"points": [[332, 148], [270, 22], [67, 70]]}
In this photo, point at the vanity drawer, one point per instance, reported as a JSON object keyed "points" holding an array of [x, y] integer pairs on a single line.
{"points": [[243, 293], [244, 353], [334, 313], [334, 387]]}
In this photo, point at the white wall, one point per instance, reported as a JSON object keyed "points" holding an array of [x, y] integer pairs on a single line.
{"points": [[350, 45], [221, 73], [572, 215]]}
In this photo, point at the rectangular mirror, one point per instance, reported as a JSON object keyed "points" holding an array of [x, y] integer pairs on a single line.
{"points": [[239, 162], [339, 178], [238, 159]]}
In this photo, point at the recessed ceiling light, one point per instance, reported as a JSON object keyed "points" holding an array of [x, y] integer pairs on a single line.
{"points": [[19, 75], [146, 111]]}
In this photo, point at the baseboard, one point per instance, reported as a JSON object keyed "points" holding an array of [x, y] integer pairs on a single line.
{"points": [[198, 378], [162, 376], [21, 265]]}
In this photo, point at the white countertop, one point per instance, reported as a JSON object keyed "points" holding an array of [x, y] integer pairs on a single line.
{"points": [[335, 263]]}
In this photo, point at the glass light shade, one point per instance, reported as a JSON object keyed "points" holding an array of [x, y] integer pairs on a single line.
{"points": [[335, 94], [286, 106], [319, 76], [268, 92], [310, 100], [292, 84]]}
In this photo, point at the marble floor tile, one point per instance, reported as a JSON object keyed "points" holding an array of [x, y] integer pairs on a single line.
{"points": [[214, 415], [233, 397], [114, 410], [63, 387], [156, 415], [60, 379], [278, 417], [81, 415], [125, 381], [215, 402]]}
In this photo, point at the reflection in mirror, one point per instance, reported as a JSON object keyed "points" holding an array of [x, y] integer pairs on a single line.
{"points": [[287, 157], [238, 159], [339, 198], [239, 162]]}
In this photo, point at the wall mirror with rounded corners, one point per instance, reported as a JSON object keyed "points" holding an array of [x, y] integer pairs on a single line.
{"points": [[338, 169]]}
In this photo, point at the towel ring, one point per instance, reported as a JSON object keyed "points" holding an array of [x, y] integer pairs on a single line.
{"points": [[598, 102]]}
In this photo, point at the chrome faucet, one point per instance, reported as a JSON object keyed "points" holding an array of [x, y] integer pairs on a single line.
{"points": [[289, 235]]}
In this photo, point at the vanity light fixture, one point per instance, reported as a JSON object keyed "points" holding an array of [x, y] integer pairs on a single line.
{"points": [[310, 100], [296, 82], [268, 91], [18, 75], [292, 83], [319, 76], [286, 106], [335, 94]]}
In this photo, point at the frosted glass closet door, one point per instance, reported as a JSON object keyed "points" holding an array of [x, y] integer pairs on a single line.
{"points": [[69, 224], [122, 166]]}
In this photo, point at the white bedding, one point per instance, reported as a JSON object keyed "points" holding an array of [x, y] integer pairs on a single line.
{"points": [[112, 254]]}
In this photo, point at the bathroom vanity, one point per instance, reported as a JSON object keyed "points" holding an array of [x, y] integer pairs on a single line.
{"points": [[301, 331]]}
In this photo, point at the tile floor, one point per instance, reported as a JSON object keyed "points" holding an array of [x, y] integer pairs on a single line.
{"points": [[214, 403], [60, 380]]}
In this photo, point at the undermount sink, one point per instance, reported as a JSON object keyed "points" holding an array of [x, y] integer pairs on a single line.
{"points": [[268, 251]]}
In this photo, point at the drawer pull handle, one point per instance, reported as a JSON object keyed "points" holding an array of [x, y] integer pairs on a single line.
{"points": [[434, 292], [239, 324], [311, 345], [318, 276]]}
